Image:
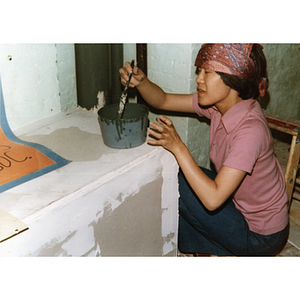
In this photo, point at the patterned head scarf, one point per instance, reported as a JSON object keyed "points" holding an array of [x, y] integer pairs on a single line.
{"points": [[233, 59]]}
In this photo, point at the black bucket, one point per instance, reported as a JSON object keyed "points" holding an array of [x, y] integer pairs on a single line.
{"points": [[128, 132]]}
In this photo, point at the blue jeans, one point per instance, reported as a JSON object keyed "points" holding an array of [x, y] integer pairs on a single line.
{"points": [[221, 232]]}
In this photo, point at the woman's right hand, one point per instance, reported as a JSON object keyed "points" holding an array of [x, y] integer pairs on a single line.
{"points": [[137, 77]]}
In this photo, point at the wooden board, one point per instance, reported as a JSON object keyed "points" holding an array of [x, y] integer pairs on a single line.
{"points": [[10, 225]]}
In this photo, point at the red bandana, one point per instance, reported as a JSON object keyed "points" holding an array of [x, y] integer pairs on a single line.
{"points": [[227, 58]]}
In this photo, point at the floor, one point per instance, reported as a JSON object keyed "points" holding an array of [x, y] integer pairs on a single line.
{"points": [[292, 248]]}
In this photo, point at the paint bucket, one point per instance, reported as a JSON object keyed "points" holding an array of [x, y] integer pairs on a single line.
{"points": [[128, 132]]}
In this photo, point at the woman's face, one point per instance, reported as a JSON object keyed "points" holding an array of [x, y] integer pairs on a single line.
{"points": [[211, 88]]}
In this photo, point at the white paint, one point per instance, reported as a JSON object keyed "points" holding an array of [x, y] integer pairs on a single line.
{"points": [[172, 66], [169, 204], [38, 80], [81, 242], [101, 99], [64, 208], [65, 61]]}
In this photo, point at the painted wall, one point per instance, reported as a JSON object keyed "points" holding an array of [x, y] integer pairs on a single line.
{"points": [[38, 80], [283, 62]]}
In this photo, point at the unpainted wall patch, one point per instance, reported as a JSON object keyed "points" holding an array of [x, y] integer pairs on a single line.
{"points": [[77, 141], [133, 228]]}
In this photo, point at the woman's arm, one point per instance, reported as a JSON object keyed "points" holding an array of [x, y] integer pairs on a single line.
{"points": [[212, 193], [153, 94]]}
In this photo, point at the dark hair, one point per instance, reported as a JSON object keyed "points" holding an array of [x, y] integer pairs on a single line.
{"points": [[248, 88]]}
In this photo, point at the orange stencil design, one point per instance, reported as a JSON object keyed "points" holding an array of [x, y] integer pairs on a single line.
{"points": [[17, 160]]}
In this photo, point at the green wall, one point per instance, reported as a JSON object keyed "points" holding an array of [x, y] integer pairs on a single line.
{"points": [[283, 64]]}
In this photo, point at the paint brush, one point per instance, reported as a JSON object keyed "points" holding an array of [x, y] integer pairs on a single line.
{"points": [[124, 95]]}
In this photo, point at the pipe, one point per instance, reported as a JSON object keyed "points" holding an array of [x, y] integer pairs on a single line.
{"points": [[116, 60], [141, 56]]}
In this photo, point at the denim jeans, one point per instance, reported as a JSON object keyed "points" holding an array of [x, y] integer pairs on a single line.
{"points": [[220, 232]]}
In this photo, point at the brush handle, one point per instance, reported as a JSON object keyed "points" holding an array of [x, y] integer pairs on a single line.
{"points": [[124, 94]]}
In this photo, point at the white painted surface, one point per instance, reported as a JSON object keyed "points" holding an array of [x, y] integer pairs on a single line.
{"points": [[38, 80], [74, 211]]}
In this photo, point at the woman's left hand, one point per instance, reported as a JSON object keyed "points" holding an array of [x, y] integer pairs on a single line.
{"points": [[165, 135]]}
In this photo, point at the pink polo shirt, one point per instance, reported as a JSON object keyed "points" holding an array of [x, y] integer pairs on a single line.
{"points": [[241, 139]]}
